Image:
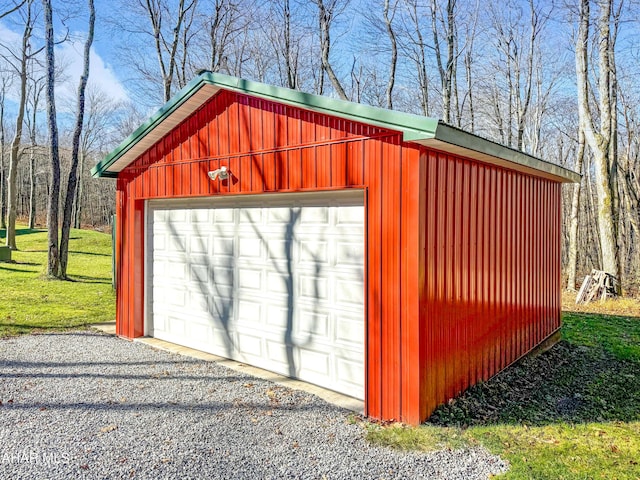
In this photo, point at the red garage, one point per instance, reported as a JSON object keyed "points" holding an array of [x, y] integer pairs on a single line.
{"points": [[383, 255]]}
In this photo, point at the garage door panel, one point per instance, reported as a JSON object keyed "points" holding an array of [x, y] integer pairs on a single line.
{"points": [[249, 313], [281, 216], [349, 331], [312, 324], [278, 283], [251, 279], [198, 302], [177, 243], [349, 254], [277, 317], [314, 216], [200, 216], [278, 355], [313, 288], [249, 217], [313, 251], [159, 241], [223, 275], [349, 216], [250, 346], [199, 273], [278, 251], [250, 248], [177, 298], [198, 244], [223, 246], [272, 280], [349, 375], [175, 272], [176, 325], [221, 307], [314, 365], [199, 330], [222, 216]]}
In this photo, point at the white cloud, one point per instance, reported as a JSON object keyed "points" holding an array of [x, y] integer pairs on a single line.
{"points": [[69, 57], [101, 75], [8, 36]]}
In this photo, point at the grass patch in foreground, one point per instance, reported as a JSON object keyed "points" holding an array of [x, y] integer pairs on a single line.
{"points": [[572, 412], [31, 302]]}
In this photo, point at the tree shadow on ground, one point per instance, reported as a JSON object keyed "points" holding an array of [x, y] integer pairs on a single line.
{"points": [[90, 253], [9, 266], [569, 383], [88, 279], [20, 231]]}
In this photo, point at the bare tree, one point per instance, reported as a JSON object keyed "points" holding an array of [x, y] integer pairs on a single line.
{"points": [[100, 114], [166, 43], [4, 84], [417, 50], [468, 68], [35, 87], [389, 12], [75, 147], [286, 37], [446, 69], [327, 11], [21, 67], [53, 258], [13, 8], [517, 40], [225, 21], [599, 139], [183, 69], [572, 263]]}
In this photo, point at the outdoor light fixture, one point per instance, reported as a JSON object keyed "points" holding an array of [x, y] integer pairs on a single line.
{"points": [[221, 173]]}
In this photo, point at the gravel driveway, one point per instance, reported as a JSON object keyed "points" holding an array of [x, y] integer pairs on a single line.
{"points": [[90, 405]]}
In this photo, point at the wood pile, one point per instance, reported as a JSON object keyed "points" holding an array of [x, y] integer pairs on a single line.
{"points": [[599, 285]]}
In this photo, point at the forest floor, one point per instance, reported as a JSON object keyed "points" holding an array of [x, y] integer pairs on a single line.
{"points": [[33, 303], [572, 412]]}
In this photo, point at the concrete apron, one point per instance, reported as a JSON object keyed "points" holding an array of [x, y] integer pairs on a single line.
{"points": [[329, 396]]}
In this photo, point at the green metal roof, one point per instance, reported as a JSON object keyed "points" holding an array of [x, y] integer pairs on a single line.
{"points": [[414, 128]]}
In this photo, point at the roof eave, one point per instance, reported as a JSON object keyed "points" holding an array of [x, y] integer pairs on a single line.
{"points": [[101, 169], [457, 141]]}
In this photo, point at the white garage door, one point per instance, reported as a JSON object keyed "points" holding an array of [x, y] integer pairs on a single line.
{"points": [[275, 281]]}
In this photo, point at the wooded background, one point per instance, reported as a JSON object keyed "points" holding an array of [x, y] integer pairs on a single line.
{"points": [[556, 79]]}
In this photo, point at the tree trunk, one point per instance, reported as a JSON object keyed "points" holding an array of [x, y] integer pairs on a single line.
{"points": [[32, 188], [155, 9], [420, 58], [325, 16], [72, 181], [53, 258], [573, 228], [77, 214], [290, 65], [3, 191], [14, 155], [394, 52], [32, 155], [599, 141], [448, 70], [468, 61]]}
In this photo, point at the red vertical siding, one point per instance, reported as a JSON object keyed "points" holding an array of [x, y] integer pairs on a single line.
{"points": [[493, 252], [462, 258]]}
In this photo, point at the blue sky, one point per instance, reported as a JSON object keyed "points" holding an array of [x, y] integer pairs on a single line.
{"points": [[104, 72]]}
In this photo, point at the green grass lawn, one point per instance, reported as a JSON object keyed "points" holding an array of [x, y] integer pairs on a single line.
{"points": [[31, 302], [572, 412]]}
